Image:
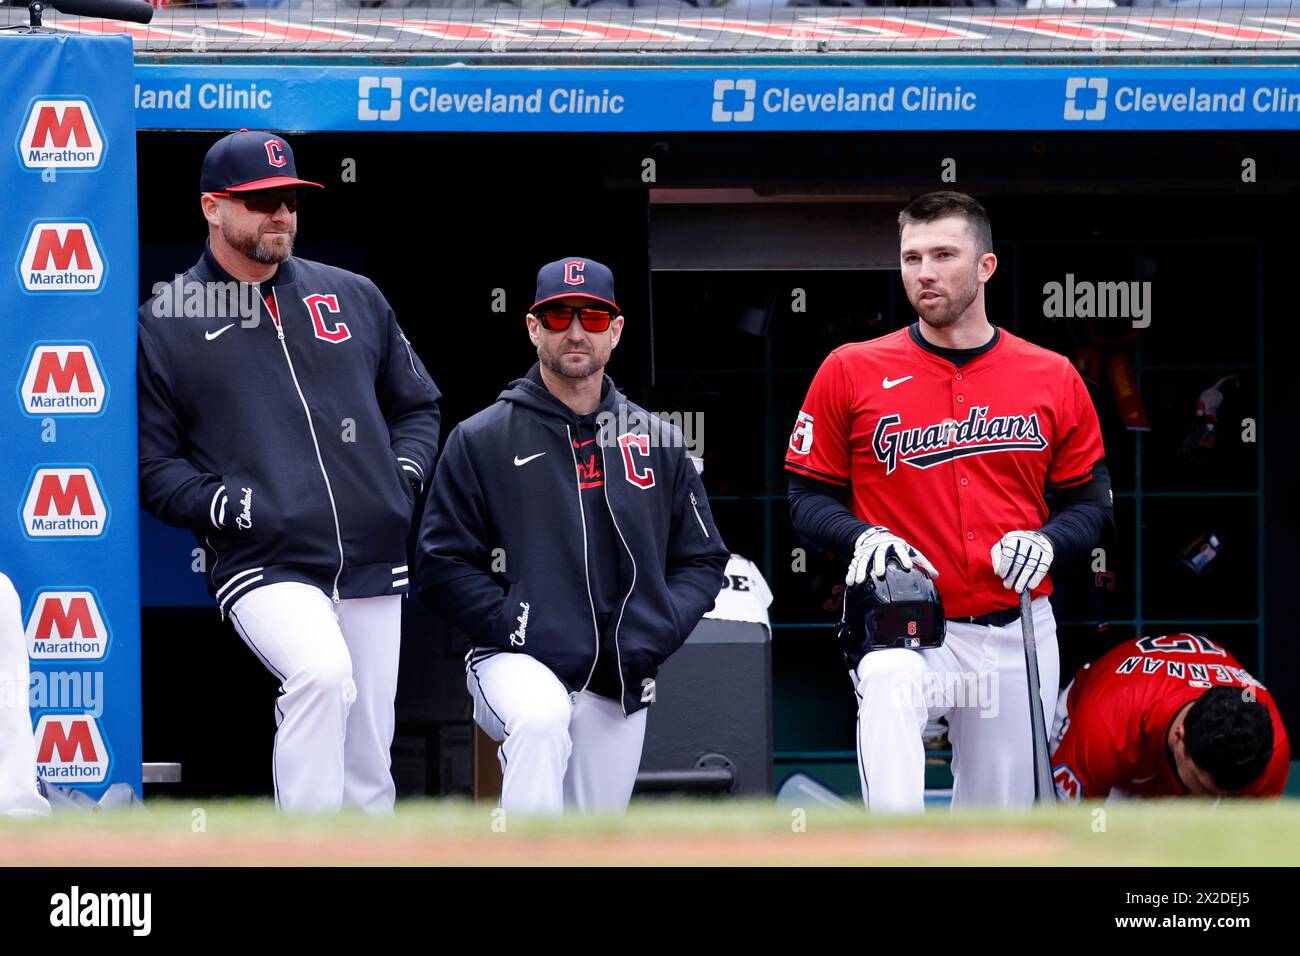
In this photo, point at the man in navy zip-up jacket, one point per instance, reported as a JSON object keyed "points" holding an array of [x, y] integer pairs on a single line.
{"points": [[286, 421], [568, 535]]}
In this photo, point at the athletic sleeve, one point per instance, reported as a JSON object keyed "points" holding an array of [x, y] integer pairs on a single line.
{"points": [[1078, 446], [818, 512], [452, 561], [409, 400], [172, 489], [1085, 765], [819, 444]]}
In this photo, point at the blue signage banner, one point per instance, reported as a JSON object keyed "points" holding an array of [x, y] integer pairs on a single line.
{"points": [[69, 535], [618, 99]]}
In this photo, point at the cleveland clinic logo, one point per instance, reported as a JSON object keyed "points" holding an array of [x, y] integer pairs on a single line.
{"points": [[733, 101], [1085, 98], [379, 98]]}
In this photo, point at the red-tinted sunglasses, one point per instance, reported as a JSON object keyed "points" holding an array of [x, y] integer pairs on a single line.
{"points": [[557, 318], [268, 201]]}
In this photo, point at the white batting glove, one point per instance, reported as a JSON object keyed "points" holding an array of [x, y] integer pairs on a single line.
{"points": [[1021, 559], [873, 549]]}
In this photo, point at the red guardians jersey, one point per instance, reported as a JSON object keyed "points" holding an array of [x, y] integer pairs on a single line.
{"points": [[949, 458], [1121, 707]]}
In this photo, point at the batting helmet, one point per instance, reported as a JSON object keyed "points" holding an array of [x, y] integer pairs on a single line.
{"points": [[901, 610]]}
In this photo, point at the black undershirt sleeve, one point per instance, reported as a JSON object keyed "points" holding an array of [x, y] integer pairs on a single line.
{"points": [[1080, 514], [819, 511]]}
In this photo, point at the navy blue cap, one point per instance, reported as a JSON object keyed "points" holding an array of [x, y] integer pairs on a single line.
{"points": [[575, 276], [247, 161]]}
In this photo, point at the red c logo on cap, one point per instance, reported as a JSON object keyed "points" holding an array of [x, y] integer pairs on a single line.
{"points": [[275, 152], [573, 272]]}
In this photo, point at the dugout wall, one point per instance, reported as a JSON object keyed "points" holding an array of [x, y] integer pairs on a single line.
{"points": [[719, 161], [708, 257]]}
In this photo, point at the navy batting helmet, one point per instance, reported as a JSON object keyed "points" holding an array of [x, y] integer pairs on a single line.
{"points": [[901, 610]]}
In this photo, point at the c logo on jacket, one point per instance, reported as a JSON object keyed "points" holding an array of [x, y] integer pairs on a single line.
{"points": [[634, 471], [315, 304]]}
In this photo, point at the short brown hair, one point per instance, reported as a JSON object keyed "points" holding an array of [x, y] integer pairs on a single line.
{"points": [[945, 203]]}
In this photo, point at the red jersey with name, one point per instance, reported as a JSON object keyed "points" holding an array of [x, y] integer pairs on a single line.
{"points": [[949, 458], [1120, 709]]}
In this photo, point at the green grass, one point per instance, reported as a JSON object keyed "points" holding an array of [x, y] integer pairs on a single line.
{"points": [[1132, 833]]}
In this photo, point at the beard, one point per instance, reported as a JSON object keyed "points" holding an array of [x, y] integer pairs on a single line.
{"points": [[950, 308], [554, 361], [266, 250]]}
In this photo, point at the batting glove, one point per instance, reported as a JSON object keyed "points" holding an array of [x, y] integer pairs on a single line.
{"points": [[1021, 559], [873, 549]]}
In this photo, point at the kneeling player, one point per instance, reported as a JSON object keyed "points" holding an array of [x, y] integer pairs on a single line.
{"points": [[1168, 716]]}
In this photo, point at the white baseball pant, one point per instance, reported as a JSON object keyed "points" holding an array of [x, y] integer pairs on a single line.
{"points": [[557, 748], [337, 667], [19, 795], [976, 680]]}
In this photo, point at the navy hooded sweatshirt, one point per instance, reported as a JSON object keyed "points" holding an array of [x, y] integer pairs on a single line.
{"points": [[506, 541]]}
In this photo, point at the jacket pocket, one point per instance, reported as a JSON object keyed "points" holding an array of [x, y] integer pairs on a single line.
{"points": [[507, 628], [404, 482]]}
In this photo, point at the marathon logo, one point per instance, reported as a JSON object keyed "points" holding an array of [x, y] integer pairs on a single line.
{"points": [[61, 133], [66, 625], [927, 446], [64, 501], [70, 749], [63, 379], [61, 257], [1068, 787]]}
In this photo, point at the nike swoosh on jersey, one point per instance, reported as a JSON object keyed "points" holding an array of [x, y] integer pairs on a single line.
{"points": [[523, 461], [583, 444], [212, 335], [898, 381]]}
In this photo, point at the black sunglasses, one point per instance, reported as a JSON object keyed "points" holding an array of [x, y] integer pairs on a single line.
{"points": [[268, 201]]}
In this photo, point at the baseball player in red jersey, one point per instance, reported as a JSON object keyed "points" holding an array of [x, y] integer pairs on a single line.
{"points": [[934, 445], [1169, 716]]}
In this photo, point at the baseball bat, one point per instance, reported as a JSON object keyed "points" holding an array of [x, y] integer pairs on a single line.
{"points": [[1044, 788]]}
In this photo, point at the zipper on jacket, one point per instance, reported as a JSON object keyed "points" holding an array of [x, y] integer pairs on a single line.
{"points": [[338, 531], [212, 573], [618, 655], [582, 513], [410, 354], [695, 506]]}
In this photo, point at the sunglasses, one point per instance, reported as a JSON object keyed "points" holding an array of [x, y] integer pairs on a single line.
{"points": [[266, 202], [557, 318]]}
